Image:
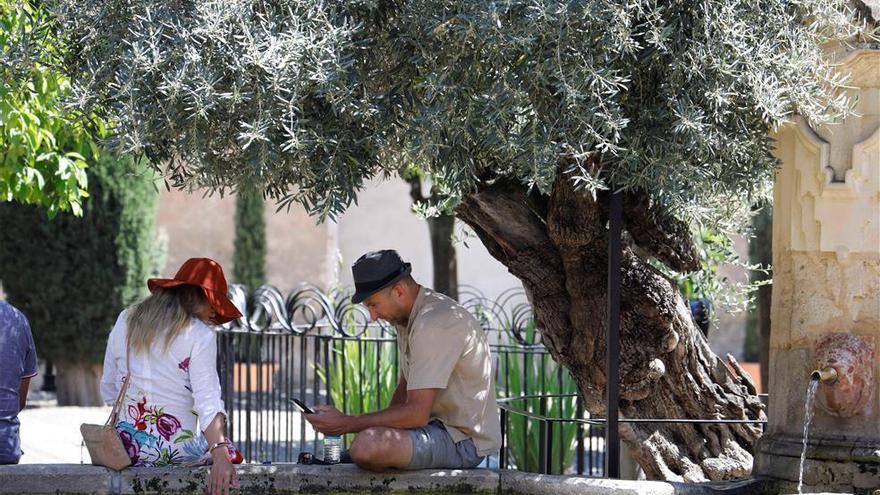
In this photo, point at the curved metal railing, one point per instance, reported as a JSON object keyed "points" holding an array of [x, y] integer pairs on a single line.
{"points": [[319, 347]]}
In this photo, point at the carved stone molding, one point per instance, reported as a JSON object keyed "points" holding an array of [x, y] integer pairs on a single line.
{"points": [[832, 216]]}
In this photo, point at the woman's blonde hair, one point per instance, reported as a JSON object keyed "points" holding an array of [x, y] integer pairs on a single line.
{"points": [[164, 313]]}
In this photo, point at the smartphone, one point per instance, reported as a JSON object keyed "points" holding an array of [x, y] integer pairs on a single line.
{"points": [[302, 407]]}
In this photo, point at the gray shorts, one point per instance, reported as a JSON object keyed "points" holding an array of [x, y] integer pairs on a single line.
{"points": [[433, 448]]}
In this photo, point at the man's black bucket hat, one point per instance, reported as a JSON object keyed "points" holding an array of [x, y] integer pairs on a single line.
{"points": [[376, 270]]}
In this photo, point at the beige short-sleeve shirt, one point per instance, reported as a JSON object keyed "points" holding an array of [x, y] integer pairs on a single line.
{"points": [[444, 347]]}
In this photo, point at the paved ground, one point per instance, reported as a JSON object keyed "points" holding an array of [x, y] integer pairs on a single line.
{"points": [[50, 434]]}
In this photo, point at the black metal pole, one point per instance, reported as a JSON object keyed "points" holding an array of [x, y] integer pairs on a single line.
{"points": [[612, 337]]}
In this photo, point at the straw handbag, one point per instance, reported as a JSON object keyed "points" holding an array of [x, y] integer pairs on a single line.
{"points": [[105, 446]]}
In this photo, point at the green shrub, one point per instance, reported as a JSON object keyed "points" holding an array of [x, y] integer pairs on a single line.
{"points": [[249, 259], [72, 275]]}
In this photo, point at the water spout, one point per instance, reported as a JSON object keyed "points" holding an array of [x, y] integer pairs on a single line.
{"points": [[825, 375]]}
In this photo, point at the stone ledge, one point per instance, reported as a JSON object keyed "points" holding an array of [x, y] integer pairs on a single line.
{"points": [[254, 478], [54, 478], [515, 482], [293, 478], [39, 479]]}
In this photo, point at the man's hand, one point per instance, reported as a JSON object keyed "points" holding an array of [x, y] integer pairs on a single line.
{"points": [[329, 420], [415, 412]]}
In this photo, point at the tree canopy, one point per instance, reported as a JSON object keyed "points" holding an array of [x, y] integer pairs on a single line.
{"points": [[44, 146], [311, 98], [524, 113]]}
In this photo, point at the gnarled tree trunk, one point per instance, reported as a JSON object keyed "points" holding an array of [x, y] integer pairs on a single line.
{"points": [[557, 246]]}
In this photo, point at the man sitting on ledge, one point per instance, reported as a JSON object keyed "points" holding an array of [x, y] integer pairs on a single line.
{"points": [[443, 413]]}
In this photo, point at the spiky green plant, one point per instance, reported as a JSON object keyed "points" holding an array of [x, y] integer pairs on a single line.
{"points": [[362, 376], [524, 372]]}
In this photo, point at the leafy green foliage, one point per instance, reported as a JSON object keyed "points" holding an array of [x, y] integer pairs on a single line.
{"points": [[715, 253], [44, 149], [249, 258], [72, 275], [311, 98]]}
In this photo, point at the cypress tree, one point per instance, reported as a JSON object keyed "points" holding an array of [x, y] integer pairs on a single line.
{"points": [[249, 259], [71, 276]]}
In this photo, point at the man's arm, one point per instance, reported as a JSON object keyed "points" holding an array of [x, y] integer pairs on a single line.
{"points": [[29, 363], [399, 396], [22, 392], [415, 412]]}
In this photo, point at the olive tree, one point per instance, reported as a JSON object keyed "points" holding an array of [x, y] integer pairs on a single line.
{"points": [[525, 114], [249, 255]]}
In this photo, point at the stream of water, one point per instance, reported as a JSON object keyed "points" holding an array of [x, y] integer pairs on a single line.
{"points": [[808, 418]]}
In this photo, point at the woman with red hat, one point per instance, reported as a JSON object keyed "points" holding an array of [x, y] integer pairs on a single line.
{"points": [[167, 348]]}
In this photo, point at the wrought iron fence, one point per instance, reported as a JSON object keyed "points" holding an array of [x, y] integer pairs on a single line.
{"points": [[282, 349], [320, 348]]}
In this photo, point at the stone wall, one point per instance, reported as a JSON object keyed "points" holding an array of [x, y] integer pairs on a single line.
{"points": [[198, 225]]}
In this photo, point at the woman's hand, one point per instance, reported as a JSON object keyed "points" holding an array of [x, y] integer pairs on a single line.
{"points": [[222, 473]]}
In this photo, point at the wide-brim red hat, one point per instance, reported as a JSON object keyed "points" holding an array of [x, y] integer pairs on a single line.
{"points": [[207, 274]]}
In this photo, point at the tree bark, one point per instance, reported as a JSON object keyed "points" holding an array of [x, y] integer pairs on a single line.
{"points": [[557, 246], [441, 230], [78, 384]]}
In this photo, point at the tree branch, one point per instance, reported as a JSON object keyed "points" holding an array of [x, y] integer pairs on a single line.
{"points": [[660, 233]]}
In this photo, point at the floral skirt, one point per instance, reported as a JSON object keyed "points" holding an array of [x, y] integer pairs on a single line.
{"points": [[154, 437], [146, 449]]}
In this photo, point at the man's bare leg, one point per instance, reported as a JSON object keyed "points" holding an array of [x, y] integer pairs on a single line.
{"points": [[379, 448]]}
